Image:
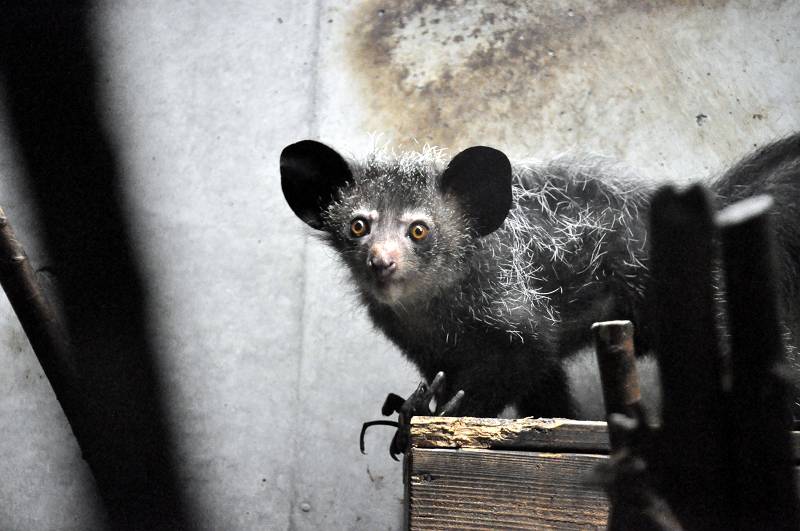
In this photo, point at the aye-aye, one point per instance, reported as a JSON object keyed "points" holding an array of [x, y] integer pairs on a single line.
{"points": [[493, 272]]}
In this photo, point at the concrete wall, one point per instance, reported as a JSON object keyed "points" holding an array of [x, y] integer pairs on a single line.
{"points": [[269, 365]]}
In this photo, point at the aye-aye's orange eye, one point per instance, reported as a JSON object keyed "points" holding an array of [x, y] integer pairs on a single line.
{"points": [[418, 231], [359, 227]]}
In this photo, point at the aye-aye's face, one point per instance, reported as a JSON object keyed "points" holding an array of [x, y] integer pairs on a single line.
{"points": [[401, 240], [405, 226]]}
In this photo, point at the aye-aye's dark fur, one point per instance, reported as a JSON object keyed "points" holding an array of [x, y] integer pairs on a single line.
{"points": [[511, 263]]}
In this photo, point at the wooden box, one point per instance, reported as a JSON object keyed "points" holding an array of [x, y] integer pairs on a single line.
{"points": [[473, 473]]}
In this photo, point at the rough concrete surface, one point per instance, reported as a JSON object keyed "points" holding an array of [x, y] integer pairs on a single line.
{"points": [[270, 365]]}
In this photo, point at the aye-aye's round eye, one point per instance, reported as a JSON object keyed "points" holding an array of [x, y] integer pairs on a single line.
{"points": [[359, 227], [418, 231]]}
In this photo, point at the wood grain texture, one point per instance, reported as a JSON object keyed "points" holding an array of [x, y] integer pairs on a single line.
{"points": [[474, 473], [490, 489], [519, 434], [550, 435]]}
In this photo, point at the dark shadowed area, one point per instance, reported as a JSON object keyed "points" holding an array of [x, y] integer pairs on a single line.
{"points": [[50, 81]]}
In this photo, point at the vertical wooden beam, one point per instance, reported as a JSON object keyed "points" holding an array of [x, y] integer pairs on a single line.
{"points": [[619, 379], [617, 361], [635, 503], [766, 491], [692, 456]]}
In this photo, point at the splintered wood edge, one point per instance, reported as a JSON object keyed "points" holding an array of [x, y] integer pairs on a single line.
{"points": [[526, 433], [520, 434]]}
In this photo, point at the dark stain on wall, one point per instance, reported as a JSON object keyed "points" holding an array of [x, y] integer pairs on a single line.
{"points": [[451, 72]]}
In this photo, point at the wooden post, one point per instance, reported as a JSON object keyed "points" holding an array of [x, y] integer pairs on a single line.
{"points": [[41, 324], [617, 361], [765, 488], [692, 457], [635, 502]]}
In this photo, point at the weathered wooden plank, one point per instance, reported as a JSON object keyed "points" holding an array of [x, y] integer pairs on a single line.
{"points": [[520, 434], [766, 490], [528, 434], [491, 489]]}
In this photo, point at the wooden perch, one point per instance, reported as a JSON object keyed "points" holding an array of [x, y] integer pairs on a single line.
{"points": [[765, 491], [40, 323], [461, 473], [508, 434], [617, 361], [693, 438], [480, 473]]}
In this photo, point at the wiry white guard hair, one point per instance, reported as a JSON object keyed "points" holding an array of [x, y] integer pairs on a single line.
{"points": [[568, 214]]}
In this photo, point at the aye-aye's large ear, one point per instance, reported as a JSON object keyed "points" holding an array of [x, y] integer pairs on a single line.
{"points": [[311, 174], [479, 178]]}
